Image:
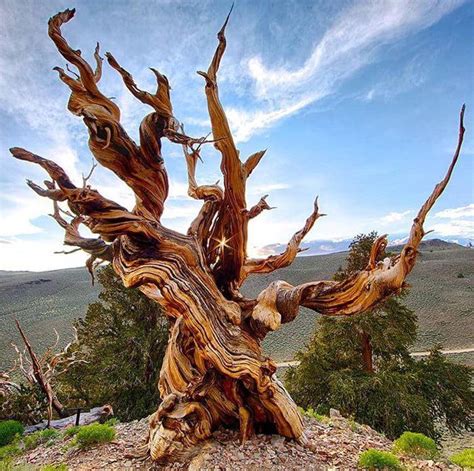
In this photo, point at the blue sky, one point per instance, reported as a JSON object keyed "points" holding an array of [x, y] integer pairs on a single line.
{"points": [[357, 102]]}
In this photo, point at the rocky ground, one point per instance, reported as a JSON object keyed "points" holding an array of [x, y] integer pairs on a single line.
{"points": [[334, 445]]}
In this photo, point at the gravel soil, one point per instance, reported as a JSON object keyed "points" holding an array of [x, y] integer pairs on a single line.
{"points": [[334, 445]]}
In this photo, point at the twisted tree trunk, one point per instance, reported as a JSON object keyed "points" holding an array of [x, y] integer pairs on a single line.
{"points": [[214, 372]]}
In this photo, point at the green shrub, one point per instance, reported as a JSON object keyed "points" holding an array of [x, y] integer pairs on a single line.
{"points": [[113, 421], [376, 459], [9, 465], [71, 431], [26, 404], [8, 430], [46, 436], [8, 451], [94, 434], [125, 334], [354, 426], [54, 467], [310, 412], [416, 445], [464, 458]]}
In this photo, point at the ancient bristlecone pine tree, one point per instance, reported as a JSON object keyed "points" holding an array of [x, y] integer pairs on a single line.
{"points": [[214, 372]]}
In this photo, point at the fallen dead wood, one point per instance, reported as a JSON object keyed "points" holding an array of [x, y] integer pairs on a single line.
{"points": [[97, 414]]}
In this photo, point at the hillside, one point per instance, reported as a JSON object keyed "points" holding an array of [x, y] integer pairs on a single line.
{"points": [[443, 302], [42, 301]]}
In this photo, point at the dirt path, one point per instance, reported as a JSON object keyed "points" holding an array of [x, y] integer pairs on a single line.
{"points": [[444, 352], [285, 364]]}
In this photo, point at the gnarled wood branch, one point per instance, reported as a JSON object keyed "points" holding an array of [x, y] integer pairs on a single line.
{"points": [[262, 205], [274, 262], [96, 248], [228, 236]]}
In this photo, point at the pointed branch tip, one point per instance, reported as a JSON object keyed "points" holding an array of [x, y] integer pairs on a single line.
{"points": [[222, 30]]}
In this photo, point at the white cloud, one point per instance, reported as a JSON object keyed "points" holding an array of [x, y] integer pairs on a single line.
{"points": [[245, 124], [409, 77], [349, 40], [370, 94], [264, 188], [18, 209], [25, 95], [458, 222], [38, 255], [349, 44], [456, 227], [31, 93], [25, 84], [399, 241], [455, 213], [178, 189], [395, 216], [188, 211]]}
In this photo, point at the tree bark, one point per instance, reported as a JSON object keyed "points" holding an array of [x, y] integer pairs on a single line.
{"points": [[214, 372], [367, 357]]}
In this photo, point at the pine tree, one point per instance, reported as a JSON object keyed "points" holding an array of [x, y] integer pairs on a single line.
{"points": [[391, 329], [362, 366], [122, 341]]}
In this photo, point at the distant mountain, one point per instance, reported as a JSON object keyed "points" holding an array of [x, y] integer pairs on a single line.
{"points": [[322, 247], [442, 296]]}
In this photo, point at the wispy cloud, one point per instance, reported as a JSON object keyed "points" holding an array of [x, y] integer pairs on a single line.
{"points": [[38, 255], [455, 227], [455, 213], [264, 188], [246, 123], [349, 44], [411, 76], [457, 222], [19, 210], [257, 95], [25, 88]]}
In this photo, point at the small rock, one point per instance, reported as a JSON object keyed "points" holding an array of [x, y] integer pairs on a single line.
{"points": [[277, 440]]}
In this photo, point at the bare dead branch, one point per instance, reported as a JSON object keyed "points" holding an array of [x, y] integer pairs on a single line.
{"points": [[41, 380], [262, 205], [253, 161], [86, 178], [98, 60], [160, 101], [274, 262]]}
